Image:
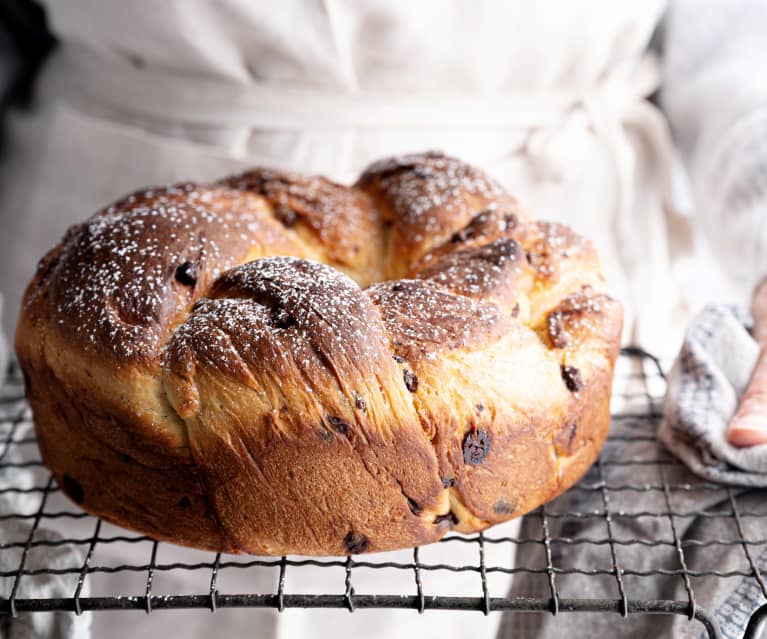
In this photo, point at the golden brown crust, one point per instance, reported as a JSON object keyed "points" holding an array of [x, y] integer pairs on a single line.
{"points": [[341, 222], [426, 198], [190, 383]]}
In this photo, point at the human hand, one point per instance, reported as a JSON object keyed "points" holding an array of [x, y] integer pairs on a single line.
{"points": [[748, 427]]}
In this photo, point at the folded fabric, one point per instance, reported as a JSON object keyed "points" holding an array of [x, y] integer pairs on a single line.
{"points": [[708, 378]]}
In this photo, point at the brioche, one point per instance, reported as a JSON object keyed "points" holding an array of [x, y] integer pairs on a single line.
{"points": [[277, 364]]}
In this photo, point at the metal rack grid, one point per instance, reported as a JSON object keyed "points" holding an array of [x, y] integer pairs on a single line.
{"points": [[31, 504]]}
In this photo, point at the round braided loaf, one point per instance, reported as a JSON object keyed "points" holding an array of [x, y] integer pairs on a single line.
{"points": [[277, 364]]}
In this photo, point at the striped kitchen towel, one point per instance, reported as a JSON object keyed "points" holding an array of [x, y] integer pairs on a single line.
{"points": [[705, 384]]}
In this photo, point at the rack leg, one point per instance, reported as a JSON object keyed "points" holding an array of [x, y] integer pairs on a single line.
{"points": [[756, 623]]}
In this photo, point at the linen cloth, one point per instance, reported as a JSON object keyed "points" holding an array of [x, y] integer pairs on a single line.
{"points": [[705, 384], [714, 93]]}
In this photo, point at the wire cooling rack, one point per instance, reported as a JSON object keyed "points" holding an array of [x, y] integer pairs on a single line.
{"points": [[49, 546]]}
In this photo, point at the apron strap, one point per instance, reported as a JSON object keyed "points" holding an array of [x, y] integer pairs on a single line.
{"points": [[181, 97]]}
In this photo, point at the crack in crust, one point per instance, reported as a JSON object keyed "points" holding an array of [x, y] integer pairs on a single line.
{"points": [[316, 416]]}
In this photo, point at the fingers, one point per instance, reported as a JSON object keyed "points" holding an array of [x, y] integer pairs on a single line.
{"points": [[748, 426]]}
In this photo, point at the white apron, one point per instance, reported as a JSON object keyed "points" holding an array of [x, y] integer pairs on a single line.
{"points": [[547, 96]]}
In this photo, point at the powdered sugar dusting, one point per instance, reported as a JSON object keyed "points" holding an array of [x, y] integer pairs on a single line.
{"points": [[432, 192], [549, 244], [343, 219], [115, 283], [127, 278], [279, 310], [580, 315], [424, 319], [486, 271]]}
